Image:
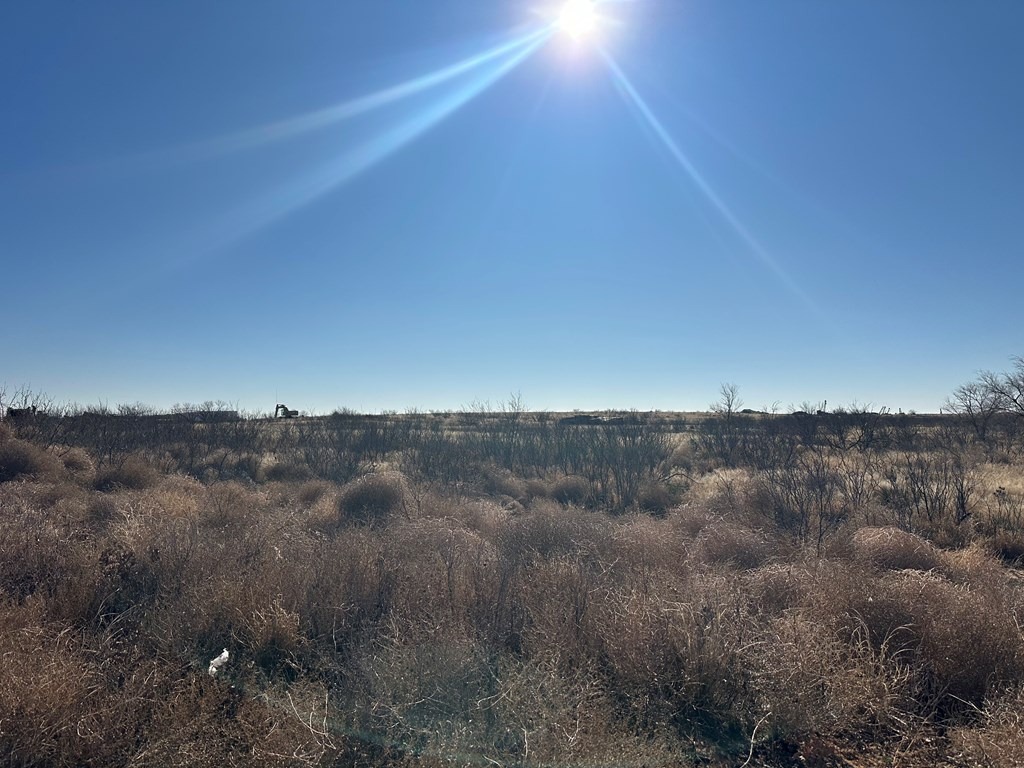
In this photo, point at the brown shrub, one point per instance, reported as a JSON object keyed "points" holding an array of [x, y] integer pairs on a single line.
{"points": [[270, 634], [500, 482], [961, 642], [975, 566], [39, 560], [173, 496], [77, 461], [778, 587], [656, 497], [536, 489], [446, 699], [721, 490], [673, 657], [66, 500], [548, 530], [346, 588], [230, 504], [70, 699], [438, 573], [373, 498], [286, 472], [571, 489], [101, 510], [486, 517], [893, 549], [998, 739], [690, 519], [311, 492], [19, 459], [1008, 546], [48, 696], [134, 474], [646, 550], [971, 645], [810, 681], [556, 596], [726, 543]]}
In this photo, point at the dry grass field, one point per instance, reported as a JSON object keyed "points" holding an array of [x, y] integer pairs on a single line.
{"points": [[511, 588]]}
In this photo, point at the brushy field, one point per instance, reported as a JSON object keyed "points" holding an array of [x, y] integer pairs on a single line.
{"points": [[510, 588]]}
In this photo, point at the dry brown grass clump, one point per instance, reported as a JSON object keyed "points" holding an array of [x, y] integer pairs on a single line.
{"points": [[779, 587], [52, 700], [960, 642], [439, 575], [101, 510], [499, 482], [674, 656], [810, 681], [231, 503], [312, 491], [648, 549], [373, 498], [998, 740], [459, 702], [486, 517], [976, 566], [571, 489], [23, 460], [345, 587], [656, 497], [285, 472], [39, 558], [724, 542], [548, 530], [135, 473], [893, 549], [77, 461], [68, 699], [1008, 546]]}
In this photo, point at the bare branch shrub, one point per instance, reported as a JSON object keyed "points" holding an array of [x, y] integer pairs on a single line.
{"points": [[931, 490], [571, 489]]}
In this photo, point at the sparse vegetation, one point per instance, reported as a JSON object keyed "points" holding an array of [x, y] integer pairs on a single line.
{"points": [[500, 587]]}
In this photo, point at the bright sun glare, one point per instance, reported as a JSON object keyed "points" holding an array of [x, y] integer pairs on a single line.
{"points": [[578, 18]]}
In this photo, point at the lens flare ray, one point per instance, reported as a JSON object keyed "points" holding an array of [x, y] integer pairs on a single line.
{"points": [[320, 119], [635, 100], [323, 118], [301, 192]]}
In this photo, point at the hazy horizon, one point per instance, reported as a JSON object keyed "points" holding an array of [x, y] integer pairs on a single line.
{"points": [[16, 396], [390, 205]]}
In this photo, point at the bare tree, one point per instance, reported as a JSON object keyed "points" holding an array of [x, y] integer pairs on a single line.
{"points": [[993, 406], [730, 401], [720, 438], [1008, 387], [977, 403]]}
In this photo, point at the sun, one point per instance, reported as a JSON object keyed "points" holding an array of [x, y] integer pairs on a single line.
{"points": [[578, 18]]}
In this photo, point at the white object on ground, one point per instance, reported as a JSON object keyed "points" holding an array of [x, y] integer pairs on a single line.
{"points": [[217, 663]]}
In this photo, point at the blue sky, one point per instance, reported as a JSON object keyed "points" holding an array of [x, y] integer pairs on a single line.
{"points": [[397, 204]]}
